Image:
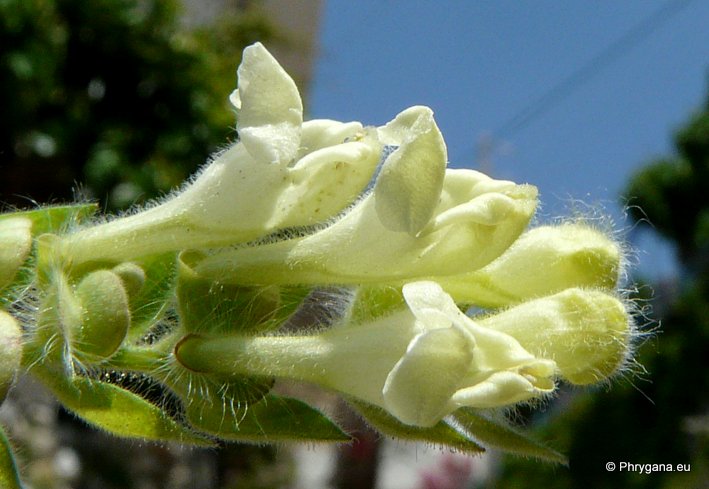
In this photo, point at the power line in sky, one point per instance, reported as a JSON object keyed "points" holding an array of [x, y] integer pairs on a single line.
{"points": [[565, 87]]}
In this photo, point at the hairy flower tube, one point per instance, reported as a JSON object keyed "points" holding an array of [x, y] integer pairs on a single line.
{"points": [[419, 220], [473, 220], [282, 173], [424, 362]]}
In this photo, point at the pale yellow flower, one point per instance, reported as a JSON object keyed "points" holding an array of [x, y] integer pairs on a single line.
{"points": [[282, 173]]}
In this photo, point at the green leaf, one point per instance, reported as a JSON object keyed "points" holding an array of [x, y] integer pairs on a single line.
{"points": [[115, 410], [498, 434], [272, 419], [243, 410], [440, 434], [9, 475], [54, 218]]}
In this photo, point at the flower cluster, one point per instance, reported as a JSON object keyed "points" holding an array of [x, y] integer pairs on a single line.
{"points": [[197, 293], [440, 236]]}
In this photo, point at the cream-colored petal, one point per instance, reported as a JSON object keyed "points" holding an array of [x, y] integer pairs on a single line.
{"points": [[234, 182], [502, 388], [409, 184], [269, 108], [497, 350], [322, 133], [398, 130], [274, 143], [324, 183], [419, 387], [430, 304], [359, 248], [469, 196]]}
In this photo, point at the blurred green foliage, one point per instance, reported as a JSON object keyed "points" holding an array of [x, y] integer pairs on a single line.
{"points": [[661, 415], [127, 99], [673, 192], [116, 94]]}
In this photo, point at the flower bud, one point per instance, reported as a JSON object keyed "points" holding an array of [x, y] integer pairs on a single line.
{"points": [[105, 316], [132, 276], [586, 332], [10, 351], [543, 261], [15, 244]]}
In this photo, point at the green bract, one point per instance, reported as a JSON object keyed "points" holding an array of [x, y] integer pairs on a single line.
{"points": [[321, 251]]}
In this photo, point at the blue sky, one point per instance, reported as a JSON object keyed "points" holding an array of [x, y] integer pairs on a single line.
{"points": [[479, 64]]}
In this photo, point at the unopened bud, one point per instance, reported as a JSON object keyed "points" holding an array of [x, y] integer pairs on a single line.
{"points": [[15, 244], [586, 332], [10, 351], [105, 315], [543, 261], [132, 276]]}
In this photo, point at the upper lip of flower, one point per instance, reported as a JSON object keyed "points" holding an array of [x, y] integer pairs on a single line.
{"points": [[282, 172], [269, 107]]}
